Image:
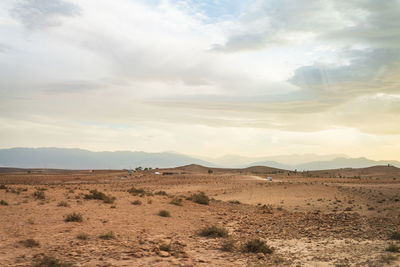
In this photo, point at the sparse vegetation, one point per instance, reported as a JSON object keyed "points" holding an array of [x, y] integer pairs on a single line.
{"points": [[82, 236], [3, 203], [107, 236], [213, 231], [164, 213], [39, 194], [393, 248], [388, 258], [30, 243], [161, 193], [94, 194], [200, 198], [228, 245], [257, 246], [395, 235], [227, 225], [2, 186], [50, 261], [135, 191], [176, 202], [136, 202], [73, 217], [63, 204]]}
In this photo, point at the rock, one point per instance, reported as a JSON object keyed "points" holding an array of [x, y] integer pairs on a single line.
{"points": [[260, 255], [164, 253]]}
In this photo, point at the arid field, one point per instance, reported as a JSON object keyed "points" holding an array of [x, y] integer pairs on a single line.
{"points": [[344, 217]]}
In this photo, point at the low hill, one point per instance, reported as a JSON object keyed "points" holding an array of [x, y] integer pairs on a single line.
{"points": [[336, 163], [344, 163], [383, 171], [253, 169]]}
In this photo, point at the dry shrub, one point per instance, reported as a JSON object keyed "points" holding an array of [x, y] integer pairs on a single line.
{"points": [[136, 202], [176, 202], [213, 231], [257, 246], [164, 213], [39, 194], [107, 236], [30, 243], [73, 217], [94, 194], [50, 261], [200, 198]]}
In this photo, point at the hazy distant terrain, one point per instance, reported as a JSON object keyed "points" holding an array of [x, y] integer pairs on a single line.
{"points": [[62, 158], [331, 164]]}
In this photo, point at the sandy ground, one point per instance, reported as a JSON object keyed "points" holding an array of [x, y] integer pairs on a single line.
{"points": [[309, 221]]}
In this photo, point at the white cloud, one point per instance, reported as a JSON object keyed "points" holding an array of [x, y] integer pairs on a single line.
{"points": [[278, 69]]}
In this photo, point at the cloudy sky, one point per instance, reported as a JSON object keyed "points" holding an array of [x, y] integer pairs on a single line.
{"points": [[213, 77]]}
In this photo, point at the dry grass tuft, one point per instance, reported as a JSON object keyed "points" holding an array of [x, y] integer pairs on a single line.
{"points": [[107, 236], [82, 236], [213, 231], [73, 217], [50, 261], [257, 246], [94, 194], [200, 198], [62, 204], [30, 243], [136, 202], [39, 194], [176, 202], [164, 213]]}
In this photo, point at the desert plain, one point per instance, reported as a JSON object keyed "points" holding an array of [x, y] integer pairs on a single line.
{"points": [[200, 216]]}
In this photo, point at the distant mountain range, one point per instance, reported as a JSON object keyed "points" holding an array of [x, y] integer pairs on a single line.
{"points": [[285, 161], [62, 158]]}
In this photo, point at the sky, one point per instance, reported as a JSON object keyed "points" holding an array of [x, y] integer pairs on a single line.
{"points": [[214, 77]]}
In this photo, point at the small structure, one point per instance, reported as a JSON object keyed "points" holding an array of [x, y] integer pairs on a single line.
{"points": [[157, 173], [269, 179]]}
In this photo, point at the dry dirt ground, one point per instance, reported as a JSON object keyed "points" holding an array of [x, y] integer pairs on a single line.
{"points": [[336, 218]]}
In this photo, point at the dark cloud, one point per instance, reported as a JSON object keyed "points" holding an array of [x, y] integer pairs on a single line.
{"points": [[345, 23], [37, 14], [363, 68]]}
